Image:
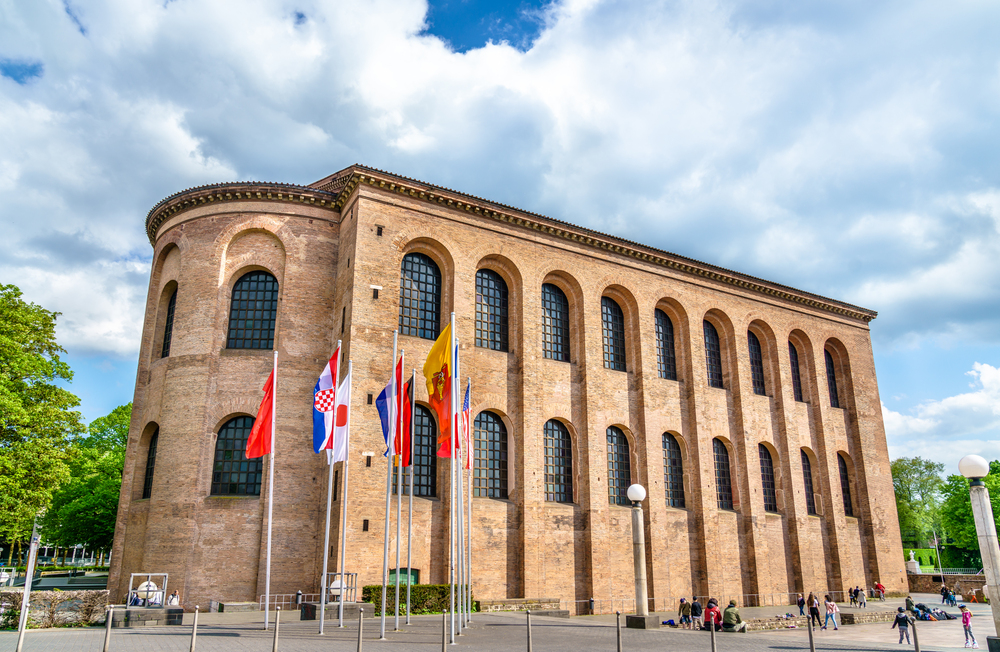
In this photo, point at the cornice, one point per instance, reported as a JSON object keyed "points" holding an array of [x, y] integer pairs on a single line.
{"points": [[239, 191], [347, 181]]}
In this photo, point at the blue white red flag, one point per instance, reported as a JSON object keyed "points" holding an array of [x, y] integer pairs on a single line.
{"points": [[324, 404], [388, 405], [467, 426]]}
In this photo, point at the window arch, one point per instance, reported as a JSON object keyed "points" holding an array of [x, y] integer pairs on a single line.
{"points": [[845, 485], [147, 479], [558, 463], [491, 310], [555, 323], [666, 362], [253, 312], [723, 478], [831, 379], [713, 355], [793, 358], [613, 330], [767, 479], [233, 474], [424, 453], [490, 474], [619, 467], [673, 471], [419, 296], [807, 477], [756, 364], [168, 326]]}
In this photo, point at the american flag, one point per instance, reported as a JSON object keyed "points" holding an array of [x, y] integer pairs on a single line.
{"points": [[465, 427]]}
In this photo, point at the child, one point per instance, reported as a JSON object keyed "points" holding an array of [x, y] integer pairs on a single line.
{"points": [[902, 621], [967, 626], [684, 611], [696, 619]]}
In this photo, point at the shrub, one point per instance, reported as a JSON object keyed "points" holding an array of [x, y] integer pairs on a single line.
{"points": [[424, 598]]}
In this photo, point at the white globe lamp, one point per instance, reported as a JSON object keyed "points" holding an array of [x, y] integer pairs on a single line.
{"points": [[973, 466], [636, 493]]}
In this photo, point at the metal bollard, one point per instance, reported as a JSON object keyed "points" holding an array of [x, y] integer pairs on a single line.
{"points": [[916, 640], [712, 631], [107, 627], [618, 626], [444, 630], [194, 628], [529, 630], [812, 641], [277, 617], [361, 626]]}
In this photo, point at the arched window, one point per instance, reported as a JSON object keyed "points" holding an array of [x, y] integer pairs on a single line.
{"points": [[490, 475], [845, 485], [424, 453], [420, 297], [713, 355], [233, 474], [756, 364], [253, 311], [666, 363], [807, 476], [558, 463], [491, 310], [723, 479], [673, 471], [831, 379], [619, 468], [767, 479], [793, 358], [147, 480], [613, 322], [555, 323], [168, 325]]}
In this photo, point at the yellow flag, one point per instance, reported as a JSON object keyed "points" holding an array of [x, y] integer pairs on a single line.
{"points": [[438, 371]]}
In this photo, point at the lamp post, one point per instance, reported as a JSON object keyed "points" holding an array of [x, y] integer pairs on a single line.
{"points": [[975, 469], [641, 620]]}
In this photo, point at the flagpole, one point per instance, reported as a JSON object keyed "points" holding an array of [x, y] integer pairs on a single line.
{"points": [[270, 493], [459, 488], [409, 523], [451, 485], [399, 474], [470, 443], [329, 501], [343, 506], [388, 491]]}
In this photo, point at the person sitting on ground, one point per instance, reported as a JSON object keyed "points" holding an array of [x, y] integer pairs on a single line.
{"points": [[731, 621], [902, 621], [696, 611], [713, 617], [174, 600], [909, 605], [684, 611]]}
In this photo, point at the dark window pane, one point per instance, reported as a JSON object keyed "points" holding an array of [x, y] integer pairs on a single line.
{"points": [[845, 486], [252, 312], [613, 329], [491, 310], [673, 471], [723, 479], [168, 326], [490, 473], [558, 463], [666, 363], [767, 479], [555, 323], [807, 476], [756, 364], [619, 467], [147, 481], [424, 467], [233, 473], [713, 355], [831, 379], [793, 357], [420, 297]]}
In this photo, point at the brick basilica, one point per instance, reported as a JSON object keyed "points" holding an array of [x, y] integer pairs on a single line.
{"points": [[749, 410]]}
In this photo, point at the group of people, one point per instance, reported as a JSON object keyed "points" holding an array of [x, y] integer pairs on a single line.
{"points": [[812, 602], [858, 598], [948, 596], [693, 616]]}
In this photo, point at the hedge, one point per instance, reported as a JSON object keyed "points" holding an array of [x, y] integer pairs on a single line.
{"points": [[424, 598], [54, 608]]}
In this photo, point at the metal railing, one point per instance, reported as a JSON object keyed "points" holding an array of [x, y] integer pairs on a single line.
{"points": [[286, 600], [626, 604]]}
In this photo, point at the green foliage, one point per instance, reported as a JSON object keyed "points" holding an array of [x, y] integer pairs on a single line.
{"points": [[30, 470], [917, 483], [956, 508], [31, 404], [926, 556], [424, 598], [955, 557]]}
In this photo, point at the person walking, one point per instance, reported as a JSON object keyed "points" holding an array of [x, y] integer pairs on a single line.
{"points": [[802, 605], [831, 613], [881, 591], [854, 596], [684, 611], [696, 611], [944, 594], [813, 602], [967, 626], [862, 600], [902, 622]]}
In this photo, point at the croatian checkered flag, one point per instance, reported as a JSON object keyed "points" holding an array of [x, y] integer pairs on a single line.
{"points": [[324, 404]]}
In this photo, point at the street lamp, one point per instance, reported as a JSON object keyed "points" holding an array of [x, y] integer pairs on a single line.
{"points": [[641, 620], [975, 469]]}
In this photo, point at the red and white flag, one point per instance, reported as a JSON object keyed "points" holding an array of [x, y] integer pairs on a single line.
{"points": [[342, 421], [467, 427]]}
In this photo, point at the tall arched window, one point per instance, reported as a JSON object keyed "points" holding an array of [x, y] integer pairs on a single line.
{"points": [[845, 485], [619, 467], [723, 479], [666, 363], [168, 325], [767, 479], [807, 476], [756, 364], [253, 312], [793, 359], [424, 453], [491, 310], [713, 355], [673, 471], [490, 476], [831, 379], [233, 474], [613, 329], [558, 463], [419, 297], [555, 323], [147, 480]]}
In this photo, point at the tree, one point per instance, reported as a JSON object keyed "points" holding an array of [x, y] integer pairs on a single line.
{"points": [[110, 432], [31, 404], [30, 470], [917, 483], [956, 508]]}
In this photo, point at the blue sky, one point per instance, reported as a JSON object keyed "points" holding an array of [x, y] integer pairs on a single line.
{"points": [[845, 148]]}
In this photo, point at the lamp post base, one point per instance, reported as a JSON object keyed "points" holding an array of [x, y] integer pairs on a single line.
{"points": [[642, 622], [993, 643]]}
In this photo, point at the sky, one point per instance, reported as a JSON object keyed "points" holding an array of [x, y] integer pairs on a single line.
{"points": [[844, 148]]}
